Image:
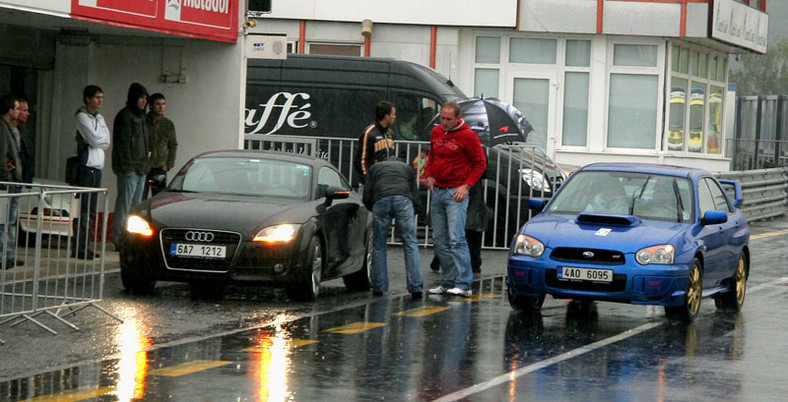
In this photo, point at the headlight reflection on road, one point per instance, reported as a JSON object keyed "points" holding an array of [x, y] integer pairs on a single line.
{"points": [[133, 364], [273, 361]]}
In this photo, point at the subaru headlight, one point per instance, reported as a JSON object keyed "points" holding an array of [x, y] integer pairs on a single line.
{"points": [[661, 254], [527, 245], [138, 225], [535, 179], [278, 233]]}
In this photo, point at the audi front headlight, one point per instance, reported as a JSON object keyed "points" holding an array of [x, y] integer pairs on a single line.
{"points": [[527, 245], [277, 233], [535, 179], [138, 225], [661, 254]]}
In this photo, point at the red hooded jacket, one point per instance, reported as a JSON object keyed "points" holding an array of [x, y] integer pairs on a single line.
{"points": [[456, 156]]}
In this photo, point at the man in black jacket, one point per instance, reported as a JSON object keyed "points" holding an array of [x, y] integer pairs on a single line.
{"points": [[376, 143], [391, 192], [130, 155]]}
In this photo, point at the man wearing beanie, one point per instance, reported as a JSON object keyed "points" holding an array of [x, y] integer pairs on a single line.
{"points": [[130, 155]]}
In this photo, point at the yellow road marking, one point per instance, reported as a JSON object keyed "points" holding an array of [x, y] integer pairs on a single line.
{"points": [[421, 311], [356, 327], [74, 395], [770, 234], [477, 297], [292, 343], [188, 367]]}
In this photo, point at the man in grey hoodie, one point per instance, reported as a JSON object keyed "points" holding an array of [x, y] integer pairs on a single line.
{"points": [[130, 155]]}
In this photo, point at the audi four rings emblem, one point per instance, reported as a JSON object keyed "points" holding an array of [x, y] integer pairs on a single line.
{"points": [[199, 236]]}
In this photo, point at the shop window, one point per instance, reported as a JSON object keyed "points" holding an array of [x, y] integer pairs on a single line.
{"points": [[486, 82], [714, 120], [632, 112], [697, 110], [676, 113], [530, 50], [575, 122]]}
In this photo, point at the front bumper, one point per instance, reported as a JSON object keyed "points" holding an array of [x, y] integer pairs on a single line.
{"points": [[632, 283], [246, 262]]}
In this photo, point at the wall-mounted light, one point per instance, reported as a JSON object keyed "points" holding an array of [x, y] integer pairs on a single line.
{"points": [[250, 23], [366, 27]]}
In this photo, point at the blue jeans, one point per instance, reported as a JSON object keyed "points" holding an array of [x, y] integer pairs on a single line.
{"points": [[448, 235], [129, 194], [400, 209]]}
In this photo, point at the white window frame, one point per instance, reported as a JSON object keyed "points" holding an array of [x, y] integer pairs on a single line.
{"points": [[658, 70]]}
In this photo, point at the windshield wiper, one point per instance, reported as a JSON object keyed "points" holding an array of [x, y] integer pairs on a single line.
{"points": [[679, 203]]}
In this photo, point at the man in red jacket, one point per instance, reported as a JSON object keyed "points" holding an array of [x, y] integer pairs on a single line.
{"points": [[455, 163]]}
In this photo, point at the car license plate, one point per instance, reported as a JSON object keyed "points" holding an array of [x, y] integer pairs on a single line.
{"points": [[197, 250], [585, 274]]}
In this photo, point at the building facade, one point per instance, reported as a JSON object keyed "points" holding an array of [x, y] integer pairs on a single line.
{"points": [[599, 80], [636, 80]]}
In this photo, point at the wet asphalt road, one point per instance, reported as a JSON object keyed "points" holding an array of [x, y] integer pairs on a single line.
{"points": [[257, 345]]}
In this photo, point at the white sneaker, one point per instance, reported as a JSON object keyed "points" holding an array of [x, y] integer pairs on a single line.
{"points": [[438, 291], [460, 292]]}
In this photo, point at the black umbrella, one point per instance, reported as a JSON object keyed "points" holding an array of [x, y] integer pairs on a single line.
{"points": [[493, 120]]}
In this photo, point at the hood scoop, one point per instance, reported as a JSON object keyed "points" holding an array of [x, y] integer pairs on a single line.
{"points": [[604, 219]]}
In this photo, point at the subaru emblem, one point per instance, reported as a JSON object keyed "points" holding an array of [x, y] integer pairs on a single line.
{"points": [[588, 254]]}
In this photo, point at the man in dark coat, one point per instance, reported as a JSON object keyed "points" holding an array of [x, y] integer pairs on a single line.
{"points": [[130, 154]]}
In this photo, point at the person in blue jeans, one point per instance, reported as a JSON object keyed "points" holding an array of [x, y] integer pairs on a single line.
{"points": [[455, 164], [391, 192], [130, 155]]}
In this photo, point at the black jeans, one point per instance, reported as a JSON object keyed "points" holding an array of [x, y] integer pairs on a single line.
{"points": [[88, 177]]}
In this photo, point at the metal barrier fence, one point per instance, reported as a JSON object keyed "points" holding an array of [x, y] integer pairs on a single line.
{"points": [[515, 174], [757, 154], [765, 192], [37, 230]]}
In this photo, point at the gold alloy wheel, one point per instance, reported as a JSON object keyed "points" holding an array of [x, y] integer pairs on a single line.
{"points": [[694, 293], [741, 281]]}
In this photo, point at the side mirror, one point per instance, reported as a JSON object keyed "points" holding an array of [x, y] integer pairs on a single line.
{"points": [[714, 217], [335, 193], [537, 204]]}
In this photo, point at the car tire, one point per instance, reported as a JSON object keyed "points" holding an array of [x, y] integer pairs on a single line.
{"points": [[359, 280], [134, 281], [691, 306], [307, 288], [527, 304], [733, 300]]}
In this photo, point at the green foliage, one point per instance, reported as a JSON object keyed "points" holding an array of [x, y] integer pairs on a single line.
{"points": [[764, 74]]}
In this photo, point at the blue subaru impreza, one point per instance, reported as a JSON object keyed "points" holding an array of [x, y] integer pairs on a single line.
{"points": [[634, 233]]}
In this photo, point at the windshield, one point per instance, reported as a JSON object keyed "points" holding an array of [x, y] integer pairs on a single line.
{"points": [[245, 176], [646, 196]]}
